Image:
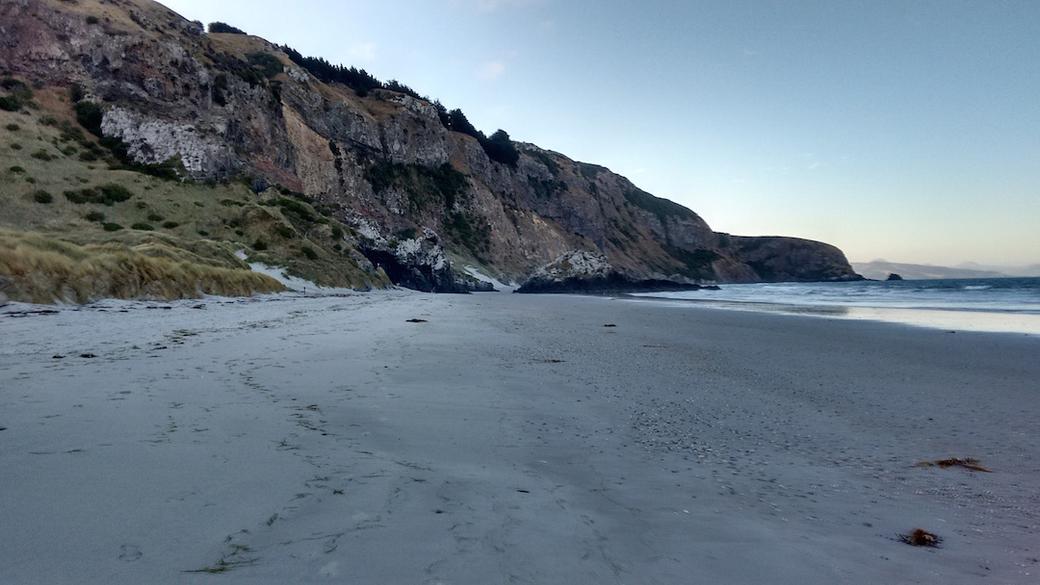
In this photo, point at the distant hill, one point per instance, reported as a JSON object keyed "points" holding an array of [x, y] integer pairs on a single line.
{"points": [[1030, 270], [880, 269]]}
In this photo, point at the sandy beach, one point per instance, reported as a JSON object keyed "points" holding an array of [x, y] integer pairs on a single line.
{"points": [[508, 439]]}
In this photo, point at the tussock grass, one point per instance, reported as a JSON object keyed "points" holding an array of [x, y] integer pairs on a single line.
{"points": [[39, 269], [108, 203]]}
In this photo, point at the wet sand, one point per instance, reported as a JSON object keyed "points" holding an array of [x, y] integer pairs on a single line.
{"points": [[509, 439]]}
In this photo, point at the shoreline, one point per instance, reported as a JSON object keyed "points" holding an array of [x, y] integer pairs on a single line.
{"points": [[1014, 322], [508, 438]]}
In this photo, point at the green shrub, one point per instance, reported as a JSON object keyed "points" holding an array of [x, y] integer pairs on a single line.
{"points": [[170, 169], [112, 193], [337, 232], [89, 115], [94, 216], [218, 90], [170, 224], [266, 63], [424, 185], [17, 169], [309, 252], [546, 188], [16, 146], [42, 197], [500, 148], [143, 227], [468, 231], [70, 133], [106, 195], [456, 121], [92, 19], [155, 217], [42, 155], [19, 94], [203, 233], [87, 156], [294, 207], [285, 231], [223, 27], [13, 127], [361, 81], [662, 208], [259, 245], [9, 103], [111, 227]]}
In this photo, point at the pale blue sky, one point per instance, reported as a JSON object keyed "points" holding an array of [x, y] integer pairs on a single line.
{"points": [[904, 130]]}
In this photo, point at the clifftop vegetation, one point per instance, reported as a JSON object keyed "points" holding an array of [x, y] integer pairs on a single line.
{"points": [[499, 147]]}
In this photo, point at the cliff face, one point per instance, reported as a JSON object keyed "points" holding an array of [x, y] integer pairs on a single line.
{"points": [[225, 107]]}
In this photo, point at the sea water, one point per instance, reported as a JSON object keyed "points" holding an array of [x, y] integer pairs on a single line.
{"points": [[989, 304]]}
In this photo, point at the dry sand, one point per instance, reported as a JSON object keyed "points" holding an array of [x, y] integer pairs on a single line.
{"points": [[508, 439]]}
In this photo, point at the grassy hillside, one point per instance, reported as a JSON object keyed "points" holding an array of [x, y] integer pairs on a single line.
{"points": [[64, 193]]}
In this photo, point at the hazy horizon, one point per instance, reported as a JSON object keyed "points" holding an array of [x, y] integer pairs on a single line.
{"points": [[908, 132]]}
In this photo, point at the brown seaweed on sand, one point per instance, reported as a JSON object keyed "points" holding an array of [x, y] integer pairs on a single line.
{"points": [[967, 463], [921, 537]]}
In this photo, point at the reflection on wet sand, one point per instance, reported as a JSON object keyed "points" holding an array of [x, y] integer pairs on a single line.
{"points": [[956, 320]]}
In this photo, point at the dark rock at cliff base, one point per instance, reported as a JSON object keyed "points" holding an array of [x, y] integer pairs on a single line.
{"points": [[584, 272], [894, 276], [614, 284], [418, 263]]}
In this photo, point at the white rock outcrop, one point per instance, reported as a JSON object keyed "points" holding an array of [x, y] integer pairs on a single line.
{"points": [[154, 141]]}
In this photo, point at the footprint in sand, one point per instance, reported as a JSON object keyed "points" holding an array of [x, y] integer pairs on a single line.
{"points": [[129, 553]]}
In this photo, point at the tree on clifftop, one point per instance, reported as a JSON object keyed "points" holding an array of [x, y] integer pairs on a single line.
{"points": [[458, 122], [501, 149]]}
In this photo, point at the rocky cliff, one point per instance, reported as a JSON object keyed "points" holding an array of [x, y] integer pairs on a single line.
{"points": [[418, 198]]}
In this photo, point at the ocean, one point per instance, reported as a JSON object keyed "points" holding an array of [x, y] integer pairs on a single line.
{"points": [[987, 304]]}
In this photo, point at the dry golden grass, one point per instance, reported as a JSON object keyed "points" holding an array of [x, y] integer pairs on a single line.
{"points": [[40, 269], [202, 224], [242, 45]]}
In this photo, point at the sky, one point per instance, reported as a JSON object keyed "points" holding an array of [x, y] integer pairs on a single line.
{"points": [[905, 130]]}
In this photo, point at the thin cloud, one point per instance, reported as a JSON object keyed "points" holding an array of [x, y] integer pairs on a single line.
{"points": [[491, 70], [363, 51], [493, 5]]}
